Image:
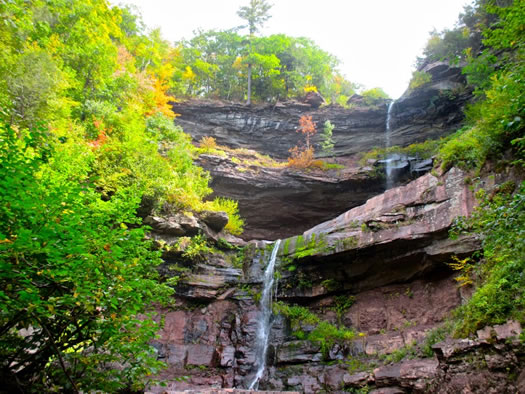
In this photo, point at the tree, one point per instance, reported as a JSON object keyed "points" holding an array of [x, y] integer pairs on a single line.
{"points": [[303, 157], [74, 278], [256, 14], [327, 145]]}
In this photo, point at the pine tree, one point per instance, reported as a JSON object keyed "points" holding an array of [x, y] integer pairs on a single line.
{"points": [[256, 14]]}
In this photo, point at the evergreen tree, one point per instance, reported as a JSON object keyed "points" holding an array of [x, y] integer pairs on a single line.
{"points": [[256, 14]]}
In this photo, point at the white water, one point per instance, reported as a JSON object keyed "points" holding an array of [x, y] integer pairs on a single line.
{"points": [[389, 160], [263, 325]]}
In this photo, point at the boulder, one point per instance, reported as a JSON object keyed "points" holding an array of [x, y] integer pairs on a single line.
{"points": [[215, 220]]}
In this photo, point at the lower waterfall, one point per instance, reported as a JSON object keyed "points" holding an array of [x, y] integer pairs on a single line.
{"points": [[264, 324]]}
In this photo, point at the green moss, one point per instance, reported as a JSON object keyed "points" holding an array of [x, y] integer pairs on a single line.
{"points": [[286, 246], [330, 284], [347, 243], [324, 333], [315, 245], [424, 150]]}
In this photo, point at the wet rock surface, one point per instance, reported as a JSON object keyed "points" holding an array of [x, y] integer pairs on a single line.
{"points": [[209, 334]]}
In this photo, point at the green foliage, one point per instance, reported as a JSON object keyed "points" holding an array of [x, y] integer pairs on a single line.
{"points": [[327, 144], [423, 150], [419, 78], [327, 335], [407, 351], [466, 149], [314, 245], [434, 336], [73, 274], [235, 222], [297, 315], [374, 96], [341, 304], [216, 64], [500, 219], [193, 248], [324, 333]]}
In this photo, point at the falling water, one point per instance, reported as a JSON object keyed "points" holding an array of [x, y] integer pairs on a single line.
{"points": [[389, 160], [263, 325]]}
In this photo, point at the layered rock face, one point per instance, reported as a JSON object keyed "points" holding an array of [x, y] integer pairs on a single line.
{"points": [[428, 112], [393, 237], [378, 266], [280, 202]]}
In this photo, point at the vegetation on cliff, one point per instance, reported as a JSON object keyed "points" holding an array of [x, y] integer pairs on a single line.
{"points": [[87, 140], [489, 42]]}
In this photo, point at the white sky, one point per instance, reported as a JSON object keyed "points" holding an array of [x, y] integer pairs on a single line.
{"points": [[377, 41]]}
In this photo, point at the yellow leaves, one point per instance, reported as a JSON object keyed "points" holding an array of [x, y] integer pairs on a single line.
{"points": [[465, 267], [188, 74], [310, 88], [238, 63], [5, 241]]}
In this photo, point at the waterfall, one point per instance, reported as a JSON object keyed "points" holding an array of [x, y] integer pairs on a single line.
{"points": [[263, 325], [389, 160]]}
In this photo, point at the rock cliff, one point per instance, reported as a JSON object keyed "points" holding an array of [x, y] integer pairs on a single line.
{"points": [[428, 112]]}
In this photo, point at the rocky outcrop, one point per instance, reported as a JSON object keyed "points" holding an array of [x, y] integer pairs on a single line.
{"points": [[458, 365], [437, 105], [298, 200], [394, 237], [279, 202], [386, 258]]}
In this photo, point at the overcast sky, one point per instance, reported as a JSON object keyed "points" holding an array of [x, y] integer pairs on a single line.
{"points": [[377, 41]]}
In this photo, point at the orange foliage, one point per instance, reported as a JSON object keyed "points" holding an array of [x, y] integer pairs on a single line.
{"points": [[303, 157], [161, 99], [101, 138], [208, 143], [307, 127]]}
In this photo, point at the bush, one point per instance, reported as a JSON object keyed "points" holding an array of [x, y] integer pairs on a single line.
{"points": [[500, 294], [235, 222], [75, 272], [374, 96], [419, 78]]}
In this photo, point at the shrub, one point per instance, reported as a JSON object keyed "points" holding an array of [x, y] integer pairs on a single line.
{"points": [[500, 294], [419, 78], [301, 157], [231, 207], [208, 143], [73, 268], [374, 96]]}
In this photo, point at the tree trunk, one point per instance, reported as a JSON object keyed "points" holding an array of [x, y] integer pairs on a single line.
{"points": [[249, 99]]}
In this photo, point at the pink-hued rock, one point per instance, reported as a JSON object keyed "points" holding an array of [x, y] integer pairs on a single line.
{"points": [[511, 329], [383, 344], [394, 237], [356, 379], [201, 355]]}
